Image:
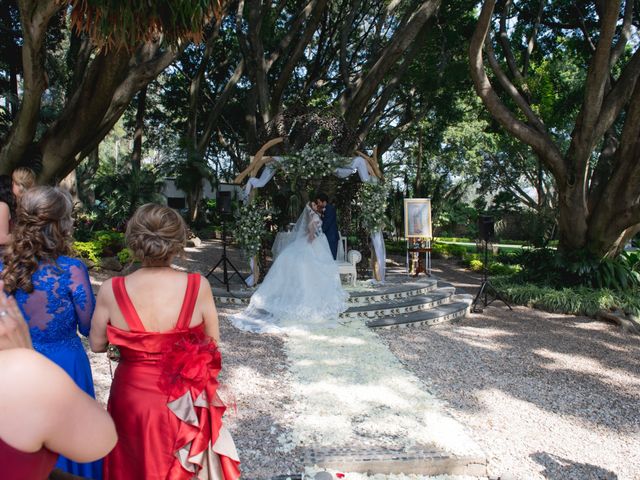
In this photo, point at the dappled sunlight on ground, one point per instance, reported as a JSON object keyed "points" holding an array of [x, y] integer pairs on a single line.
{"points": [[545, 395]]}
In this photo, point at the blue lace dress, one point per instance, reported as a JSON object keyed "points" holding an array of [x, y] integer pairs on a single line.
{"points": [[62, 303]]}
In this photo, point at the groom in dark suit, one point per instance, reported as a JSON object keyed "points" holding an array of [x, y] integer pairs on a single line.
{"points": [[329, 222]]}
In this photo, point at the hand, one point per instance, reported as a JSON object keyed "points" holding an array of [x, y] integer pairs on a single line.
{"points": [[14, 332]]}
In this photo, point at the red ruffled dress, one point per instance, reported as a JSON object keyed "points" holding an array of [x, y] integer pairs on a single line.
{"points": [[164, 400]]}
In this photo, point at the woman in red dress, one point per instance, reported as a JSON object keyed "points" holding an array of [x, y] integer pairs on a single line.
{"points": [[164, 397]]}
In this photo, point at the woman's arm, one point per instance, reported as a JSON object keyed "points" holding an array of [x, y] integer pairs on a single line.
{"points": [[314, 226], [209, 311], [98, 335], [84, 301], [48, 409], [5, 217]]}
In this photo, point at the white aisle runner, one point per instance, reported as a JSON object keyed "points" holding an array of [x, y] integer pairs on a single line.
{"points": [[351, 391]]}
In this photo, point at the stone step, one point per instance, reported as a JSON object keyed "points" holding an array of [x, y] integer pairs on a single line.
{"points": [[401, 306], [382, 294], [432, 461], [458, 307], [390, 292]]}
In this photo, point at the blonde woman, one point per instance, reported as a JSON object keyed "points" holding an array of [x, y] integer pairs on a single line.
{"points": [[52, 289], [165, 326], [23, 179]]}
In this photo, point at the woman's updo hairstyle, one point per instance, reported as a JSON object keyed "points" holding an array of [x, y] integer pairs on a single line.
{"points": [[42, 232], [155, 234], [24, 177]]}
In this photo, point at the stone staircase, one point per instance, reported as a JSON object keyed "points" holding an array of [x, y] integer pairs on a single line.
{"points": [[402, 301]]}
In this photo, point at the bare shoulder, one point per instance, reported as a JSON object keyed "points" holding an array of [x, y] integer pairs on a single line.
{"points": [[106, 289], [24, 370], [205, 287]]}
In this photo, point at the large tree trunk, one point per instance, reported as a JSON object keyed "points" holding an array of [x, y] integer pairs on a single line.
{"points": [[111, 81], [598, 207], [35, 17], [101, 88]]}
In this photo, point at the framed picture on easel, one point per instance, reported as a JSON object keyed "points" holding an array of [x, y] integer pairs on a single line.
{"points": [[417, 231], [417, 218]]}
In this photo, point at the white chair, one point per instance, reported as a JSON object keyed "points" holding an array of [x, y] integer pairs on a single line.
{"points": [[348, 266]]}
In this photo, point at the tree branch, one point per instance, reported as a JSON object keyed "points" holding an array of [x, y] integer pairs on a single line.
{"points": [[195, 86], [345, 31], [619, 95], [506, 47], [216, 110], [531, 43], [89, 116], [540, 143], [625, 33], [292, 31], [35, 16], [402, 39], [510, 88], [312, 21], [583, 138]]}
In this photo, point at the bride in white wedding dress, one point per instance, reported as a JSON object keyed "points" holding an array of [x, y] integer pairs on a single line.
{"points": [[302, 289]]}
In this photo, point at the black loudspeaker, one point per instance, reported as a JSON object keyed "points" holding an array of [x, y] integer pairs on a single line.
{"points": [[223, 202], [486, 230]]}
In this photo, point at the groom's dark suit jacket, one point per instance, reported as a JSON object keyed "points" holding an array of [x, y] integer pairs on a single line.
{"points": [[330, 228]]}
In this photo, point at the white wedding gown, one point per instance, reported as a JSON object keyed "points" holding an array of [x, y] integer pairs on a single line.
{"points": [[302, 290]]}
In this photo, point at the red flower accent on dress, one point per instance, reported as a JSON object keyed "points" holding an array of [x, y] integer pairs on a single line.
{"points": [[340, 475], [189, 364]]}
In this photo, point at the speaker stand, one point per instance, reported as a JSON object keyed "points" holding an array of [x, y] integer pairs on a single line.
{"points": [[486, 288], [226, 263]]}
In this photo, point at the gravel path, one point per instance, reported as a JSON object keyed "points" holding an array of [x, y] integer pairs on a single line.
{"points": [[545, 395]]}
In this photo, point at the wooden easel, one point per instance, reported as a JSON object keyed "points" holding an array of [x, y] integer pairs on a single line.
{"points": [[415, 258]]}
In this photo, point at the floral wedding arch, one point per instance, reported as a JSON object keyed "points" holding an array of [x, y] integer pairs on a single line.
{"points": [[323, 162]]}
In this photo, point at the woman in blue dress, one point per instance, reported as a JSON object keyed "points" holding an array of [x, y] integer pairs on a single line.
{"points": [[52, 290]]}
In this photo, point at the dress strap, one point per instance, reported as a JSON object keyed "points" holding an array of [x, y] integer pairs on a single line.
{"points": [[189, 302], [126, 305]]}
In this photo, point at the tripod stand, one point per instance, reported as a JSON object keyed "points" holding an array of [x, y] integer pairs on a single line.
{"points": [[226, 263], [486, 287]]}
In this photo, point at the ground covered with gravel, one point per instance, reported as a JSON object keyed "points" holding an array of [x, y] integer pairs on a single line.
{"points": [[544, 395]]}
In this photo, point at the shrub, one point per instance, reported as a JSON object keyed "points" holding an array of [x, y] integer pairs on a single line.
{"points": [[440, 250], [476, 265], [508, 257], [571, 300], [84, 225], [398, 247], [457, 251], [90, 250], [111, 242], [579, 268], [103, 243], [499, 268], [125, 256]]}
